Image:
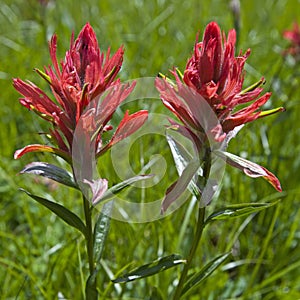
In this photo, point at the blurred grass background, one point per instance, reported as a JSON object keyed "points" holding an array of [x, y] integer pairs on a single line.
{"points": [[39, 255]]}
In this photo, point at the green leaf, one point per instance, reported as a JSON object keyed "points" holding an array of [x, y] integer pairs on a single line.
{"points": [[101, 230], [238, 210], [205, 272], [61, 211], [50, 171], [110, 193], [151, 268]]}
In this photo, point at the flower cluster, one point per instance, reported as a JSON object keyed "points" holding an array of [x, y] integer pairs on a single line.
{"points": [[83, 76], [215, 76], [215, 73]]}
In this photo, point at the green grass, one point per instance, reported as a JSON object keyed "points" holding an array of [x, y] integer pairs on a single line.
{"points": [[39, 255]]}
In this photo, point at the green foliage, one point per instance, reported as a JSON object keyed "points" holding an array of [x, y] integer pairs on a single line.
{"points": [[39, 255]]}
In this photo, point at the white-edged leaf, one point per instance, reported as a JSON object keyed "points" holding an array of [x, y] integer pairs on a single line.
{"points": [[98, 188], [238, 210], [50, 171], [150, 269]]}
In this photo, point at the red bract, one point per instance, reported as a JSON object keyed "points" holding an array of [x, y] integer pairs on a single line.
{"points": [[294, 37], [83, 75]]}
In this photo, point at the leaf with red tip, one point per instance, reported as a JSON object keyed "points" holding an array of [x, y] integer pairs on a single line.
{"points": [[43, 148], [250, 168]]}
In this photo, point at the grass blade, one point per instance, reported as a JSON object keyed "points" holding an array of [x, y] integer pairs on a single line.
{"points": [[205, 272]]}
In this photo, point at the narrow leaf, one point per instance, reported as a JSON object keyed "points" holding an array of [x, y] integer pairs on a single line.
{"points": [[180, 154], [61, 211], [50, 171], [110, 193], [250, 168], [238, 210], [101, 230], [205, 272], [151, 268]]}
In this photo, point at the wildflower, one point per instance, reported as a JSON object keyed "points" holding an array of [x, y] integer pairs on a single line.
{"points": [[83, 76], [294, 37], [217, 75], [214, 77]]}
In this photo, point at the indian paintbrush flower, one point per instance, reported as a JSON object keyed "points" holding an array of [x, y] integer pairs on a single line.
{"points": [[83, 76], [216, 75]]}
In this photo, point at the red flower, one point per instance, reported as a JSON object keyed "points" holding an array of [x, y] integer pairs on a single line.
{"points": [[214, 73], [206, 97], [217, 75], [84, 75], [294, 37]]}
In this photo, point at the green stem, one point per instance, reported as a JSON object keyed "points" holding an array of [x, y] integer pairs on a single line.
{"points": [[91, 284], [199, 227], [196, 240], [89, 236]]}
